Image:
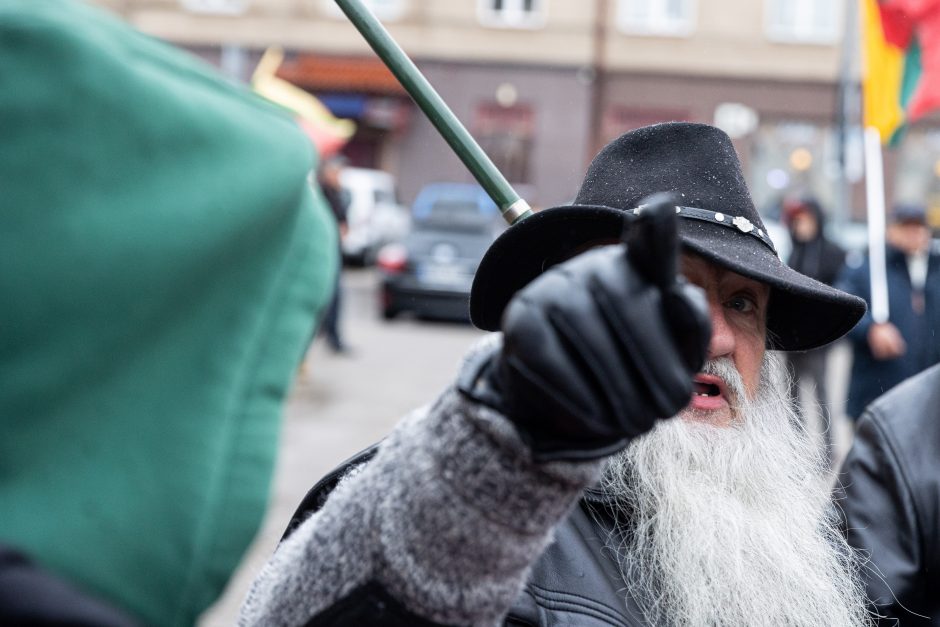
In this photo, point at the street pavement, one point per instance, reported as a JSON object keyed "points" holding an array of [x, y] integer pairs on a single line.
{"points": [[341, 404]]}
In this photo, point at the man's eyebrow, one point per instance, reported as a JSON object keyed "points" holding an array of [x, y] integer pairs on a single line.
{"points": [[759, 291]]}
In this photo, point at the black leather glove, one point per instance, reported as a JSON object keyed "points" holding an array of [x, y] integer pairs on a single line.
{"points": [[600, 346]]}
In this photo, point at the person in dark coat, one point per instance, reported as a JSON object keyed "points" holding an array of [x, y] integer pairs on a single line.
{"points": [[814, 255], [890, 501], [886, 353], [337, 198], [622, 453]]}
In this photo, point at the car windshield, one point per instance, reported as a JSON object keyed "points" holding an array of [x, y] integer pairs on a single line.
{"points": [[384, 196], [455, 215]]}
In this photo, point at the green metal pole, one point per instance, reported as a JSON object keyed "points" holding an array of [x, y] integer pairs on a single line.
{"points": [[454, 133]]}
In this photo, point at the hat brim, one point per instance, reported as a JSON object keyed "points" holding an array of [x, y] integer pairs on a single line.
{"points": [[802, 313]]}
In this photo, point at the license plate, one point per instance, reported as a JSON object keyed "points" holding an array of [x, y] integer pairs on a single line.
{"points": [[449, 275]]}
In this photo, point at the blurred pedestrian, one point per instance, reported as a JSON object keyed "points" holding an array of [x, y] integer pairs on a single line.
{"points": [[162, 263], [890, 501], [886, 353], [812, 253], [337, 197]]}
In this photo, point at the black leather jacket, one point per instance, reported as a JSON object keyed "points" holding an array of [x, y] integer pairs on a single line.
{"points": [[574, 582], [890, 498]]}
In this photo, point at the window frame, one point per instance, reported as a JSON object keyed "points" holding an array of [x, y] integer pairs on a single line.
{"points": [[497, 125], [802, 31], [657, 26], [513, 15], [215, 7], [386, 11]]}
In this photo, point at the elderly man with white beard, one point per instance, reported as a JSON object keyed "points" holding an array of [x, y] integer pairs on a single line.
{"points": [[622, 453]]}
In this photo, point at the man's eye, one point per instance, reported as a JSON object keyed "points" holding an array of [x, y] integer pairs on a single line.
{"points": [[742, 304]]}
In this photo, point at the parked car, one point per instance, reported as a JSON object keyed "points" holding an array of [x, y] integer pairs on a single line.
{"points": [[374, 217], [431, 270]]}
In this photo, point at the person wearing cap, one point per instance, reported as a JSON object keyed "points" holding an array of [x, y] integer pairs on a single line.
{"points": [[621, 453], [816, 256], [886, 353]]}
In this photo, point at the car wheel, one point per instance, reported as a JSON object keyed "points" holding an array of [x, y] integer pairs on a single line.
{"points": [[387, 303], [356, 260]]}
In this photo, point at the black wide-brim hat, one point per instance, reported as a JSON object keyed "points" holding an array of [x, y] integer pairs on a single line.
{"points": [[698, 165]]}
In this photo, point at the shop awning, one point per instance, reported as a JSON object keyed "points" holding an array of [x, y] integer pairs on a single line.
{"points": [[339, 74]]}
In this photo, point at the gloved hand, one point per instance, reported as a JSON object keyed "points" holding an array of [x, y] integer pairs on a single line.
{"points": [[600, 346]]}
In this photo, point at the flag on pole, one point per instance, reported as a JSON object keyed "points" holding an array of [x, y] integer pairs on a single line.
{"points": [[327, 132], [901, 77], [900, 83]]}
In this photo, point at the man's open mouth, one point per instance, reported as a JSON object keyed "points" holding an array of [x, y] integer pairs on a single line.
{"points": [[709, 397], [701, 388]]}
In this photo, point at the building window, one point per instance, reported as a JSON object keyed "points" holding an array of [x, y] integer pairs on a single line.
{"points": [[803, 21], [512, 13], [215, 7], [674, 18], [386, 10], [505, 134]]}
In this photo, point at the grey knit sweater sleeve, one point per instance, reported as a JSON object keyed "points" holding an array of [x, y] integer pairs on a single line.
{"points": [[447, 518]]}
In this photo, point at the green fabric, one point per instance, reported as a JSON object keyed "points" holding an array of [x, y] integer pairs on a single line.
{"points": [[911, 76], [162, 262]]}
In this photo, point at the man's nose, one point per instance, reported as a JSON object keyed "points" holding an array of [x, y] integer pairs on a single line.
{"points": [[722, 342]]}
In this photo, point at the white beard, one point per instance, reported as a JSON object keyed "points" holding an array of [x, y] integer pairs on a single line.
{"points": [[733, 525]]}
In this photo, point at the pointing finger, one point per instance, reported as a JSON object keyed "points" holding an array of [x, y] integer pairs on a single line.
{"points": [[653, 242]]}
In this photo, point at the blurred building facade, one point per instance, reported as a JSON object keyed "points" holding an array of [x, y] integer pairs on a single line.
{"points": [[542, 84]]}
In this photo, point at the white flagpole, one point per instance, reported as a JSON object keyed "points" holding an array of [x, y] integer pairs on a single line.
{"points": [[875, 196]]}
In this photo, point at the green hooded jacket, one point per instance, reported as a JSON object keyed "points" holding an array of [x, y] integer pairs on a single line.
{"points": [[162, 264]]}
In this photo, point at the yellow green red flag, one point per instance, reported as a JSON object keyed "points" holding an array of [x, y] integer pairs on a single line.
{"points": [[882, 75], [901, 72]]}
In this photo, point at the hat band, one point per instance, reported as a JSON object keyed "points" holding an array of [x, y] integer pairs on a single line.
{"points": [[738, 223]]}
